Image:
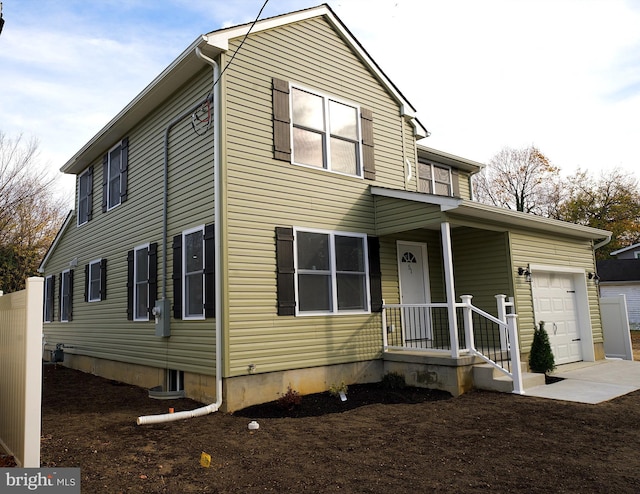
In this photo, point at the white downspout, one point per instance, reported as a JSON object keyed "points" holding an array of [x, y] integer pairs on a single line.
{"points": [[213, 407]]}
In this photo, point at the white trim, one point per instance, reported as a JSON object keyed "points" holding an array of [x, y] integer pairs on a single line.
{"points": [[135, 284], [333, 272], [198, 317], [92, 263]]}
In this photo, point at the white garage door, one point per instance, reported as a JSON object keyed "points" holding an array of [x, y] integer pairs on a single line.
{"points": [[554, 302]]}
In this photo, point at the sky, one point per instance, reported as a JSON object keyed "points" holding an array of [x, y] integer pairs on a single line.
{"points": [[563, 75]]}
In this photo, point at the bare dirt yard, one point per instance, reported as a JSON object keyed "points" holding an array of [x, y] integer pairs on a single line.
{"points": [[378, 441], [479, 442]]}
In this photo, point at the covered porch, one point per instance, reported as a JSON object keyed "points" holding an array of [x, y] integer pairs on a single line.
{"points": [[451, 284]]}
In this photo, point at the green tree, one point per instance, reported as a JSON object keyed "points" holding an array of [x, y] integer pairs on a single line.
{"points": [[30, 214], [611, 202], [519, 179], [541, 357]]}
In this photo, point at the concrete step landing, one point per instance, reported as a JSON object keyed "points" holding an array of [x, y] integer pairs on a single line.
{"points": [[487, 377]]}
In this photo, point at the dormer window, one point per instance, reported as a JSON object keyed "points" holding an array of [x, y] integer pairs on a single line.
{"points": [[434, 179]]}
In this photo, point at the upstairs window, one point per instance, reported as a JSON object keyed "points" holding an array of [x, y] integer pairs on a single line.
{"points": [[326, 133], [85, 196], [115, 166], [321, 131], [434, 179]]}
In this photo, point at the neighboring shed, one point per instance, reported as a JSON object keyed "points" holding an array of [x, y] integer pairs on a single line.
{"points": [[622, 276]]}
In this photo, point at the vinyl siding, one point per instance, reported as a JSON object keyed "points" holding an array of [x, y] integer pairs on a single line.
{"points": [[101, 329], [393, 215], [263, 193], [530, 248], [481, 266]]}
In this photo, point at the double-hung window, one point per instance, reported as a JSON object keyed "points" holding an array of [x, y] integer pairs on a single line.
{"points": [[66, 295], [331, 272], [49, 292], [141, 302], [115, 166], [93, 283], [326, 132], [434, 179], [85, 196], [193, 269]]}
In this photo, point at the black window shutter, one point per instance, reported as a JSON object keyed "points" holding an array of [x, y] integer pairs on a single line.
{"points": [[86, 282], [285, 272], [209, 272], [90, 193], [60, 298], [368, 158], [70, 295], [103, 279], [124, 169], [153, 276], [105, 181], [130, 283], [375, 274], [455, 183], [177, 277], [52, 294], [281, 121]]}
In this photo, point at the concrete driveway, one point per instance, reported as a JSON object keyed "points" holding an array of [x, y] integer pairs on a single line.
{"points": [[591, 382]]}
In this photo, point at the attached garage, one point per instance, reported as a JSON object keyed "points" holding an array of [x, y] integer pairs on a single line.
{"points": [[560, 300]]}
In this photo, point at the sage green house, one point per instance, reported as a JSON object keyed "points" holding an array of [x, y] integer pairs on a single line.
{"points": [[274, 219]]}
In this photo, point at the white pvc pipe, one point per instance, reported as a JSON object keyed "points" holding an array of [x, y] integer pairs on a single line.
{"points": [[213, 407]]}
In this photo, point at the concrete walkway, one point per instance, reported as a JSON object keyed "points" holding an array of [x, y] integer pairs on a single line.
{"points": [[591, 382]]}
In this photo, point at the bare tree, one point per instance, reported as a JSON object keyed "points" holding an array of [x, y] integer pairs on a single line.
{"points": [[519, 179], [30, 215]]}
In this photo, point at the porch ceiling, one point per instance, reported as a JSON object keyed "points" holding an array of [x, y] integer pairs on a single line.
{"points": [[392, 207]]}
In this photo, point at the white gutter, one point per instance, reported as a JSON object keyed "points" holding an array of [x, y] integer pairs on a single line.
{"points": [[603, 243], [213, 407]]}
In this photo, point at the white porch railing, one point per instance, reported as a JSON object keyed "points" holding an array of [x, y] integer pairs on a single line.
{"points": [[427, 327]]}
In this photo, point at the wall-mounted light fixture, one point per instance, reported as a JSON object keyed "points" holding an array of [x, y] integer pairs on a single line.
{"points": [[526, 273], [594, 277]]}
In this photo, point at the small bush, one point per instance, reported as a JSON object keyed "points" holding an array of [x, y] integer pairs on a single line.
{"points": [[336, 389], [290, 399], [541, 357], [393, 380]]}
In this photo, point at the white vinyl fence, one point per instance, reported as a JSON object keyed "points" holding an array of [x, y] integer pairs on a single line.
{"points": [[615, 326], [21, 373]]}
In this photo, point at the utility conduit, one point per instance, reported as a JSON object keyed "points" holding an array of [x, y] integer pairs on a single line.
{"points": [[213, 407]]}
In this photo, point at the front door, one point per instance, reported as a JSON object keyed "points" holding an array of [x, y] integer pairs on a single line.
{"points": [[413, 277], [554, 299]]}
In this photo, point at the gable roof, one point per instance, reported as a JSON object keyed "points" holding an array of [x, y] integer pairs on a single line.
{"points": [[188, 63], [68, 221], [618, 270]]}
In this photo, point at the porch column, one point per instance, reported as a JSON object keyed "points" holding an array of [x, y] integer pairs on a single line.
{"points": [[447, 258]]}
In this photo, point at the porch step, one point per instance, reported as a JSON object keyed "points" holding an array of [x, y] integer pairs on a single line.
{"points": [[487, 377]]}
